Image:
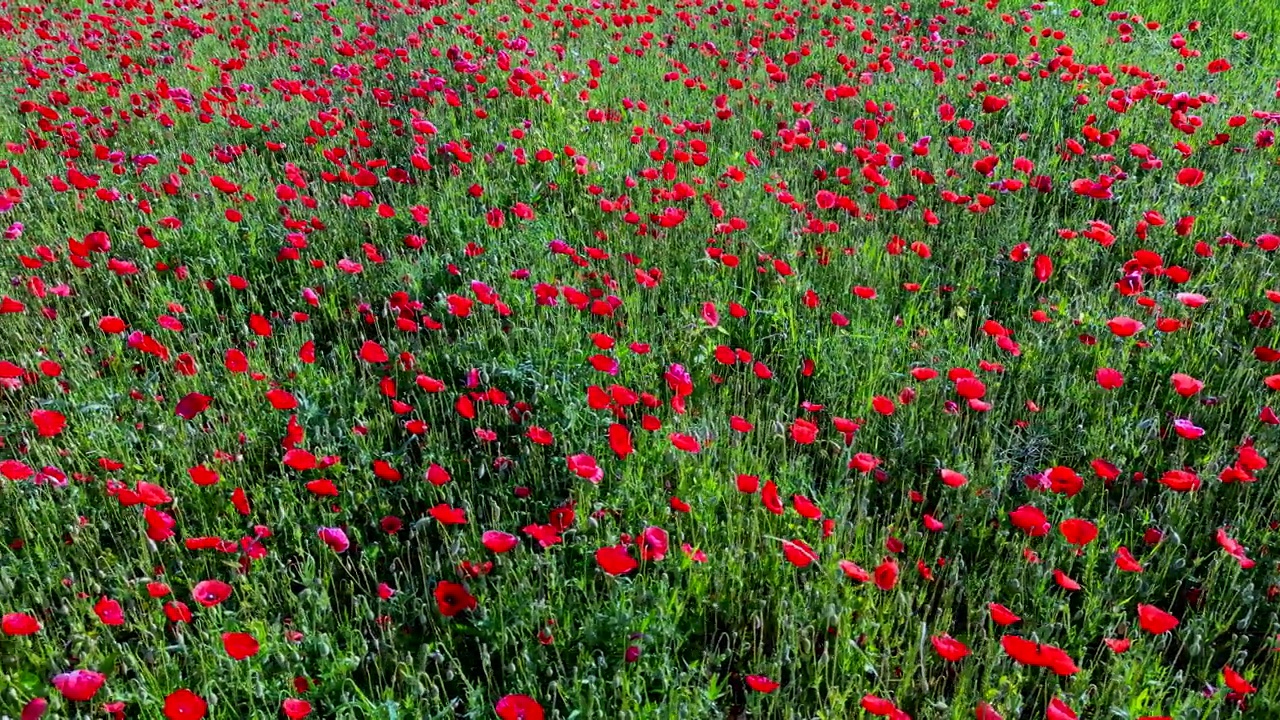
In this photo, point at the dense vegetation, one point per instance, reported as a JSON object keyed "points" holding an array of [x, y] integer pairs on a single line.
{"points": [[703, 359]]}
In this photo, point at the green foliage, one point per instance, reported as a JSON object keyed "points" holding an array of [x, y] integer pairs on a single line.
{"points": [[549, 622]]}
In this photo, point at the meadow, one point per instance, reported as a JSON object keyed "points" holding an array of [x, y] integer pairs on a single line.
{"points": [[733, 359]]}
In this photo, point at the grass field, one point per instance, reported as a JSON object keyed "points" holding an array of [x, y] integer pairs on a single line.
{"points": [[706, 359]]}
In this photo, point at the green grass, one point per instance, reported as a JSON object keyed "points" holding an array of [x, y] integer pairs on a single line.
{"points": [[550, 623]]}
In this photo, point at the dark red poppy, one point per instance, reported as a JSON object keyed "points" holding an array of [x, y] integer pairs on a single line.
{"points": [[452, 598], [192, 405], [35, 709]]}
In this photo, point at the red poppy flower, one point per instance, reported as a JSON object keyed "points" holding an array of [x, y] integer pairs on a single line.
{"points": [[518, 707], [803, 431], [192, 405], [36, 707], [1154, 620], [853, 571], [1043, 268], [182, 704], [1030, 520], [886, 574], [798, 553], [882, 405], [109, 612], [1122, 326], [372, 352], [299, 459], [653, 544], [584, 466], [806, 508], [499, 542], [970, 388], [1190, 177], [48, 422], [620, 440], [761, 684], [1236, 682], [446, 515], [1078, 532], [1126, 562], [1064, 581], [1109, 378], [111, 325], [1031, 653], [1105, 469], [687, 443], [295, 708], [880, 706], [1180, 480], [1185, 385], [452, 598], [769, 496], [992, 104], [18, 624], [1118, 645], [948, 648], [985, 712], [615, 560], [1058, 710], [1233, 548], [79, 685], [211, 592], [239, 645], [177, 611], [1002, 615]]}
